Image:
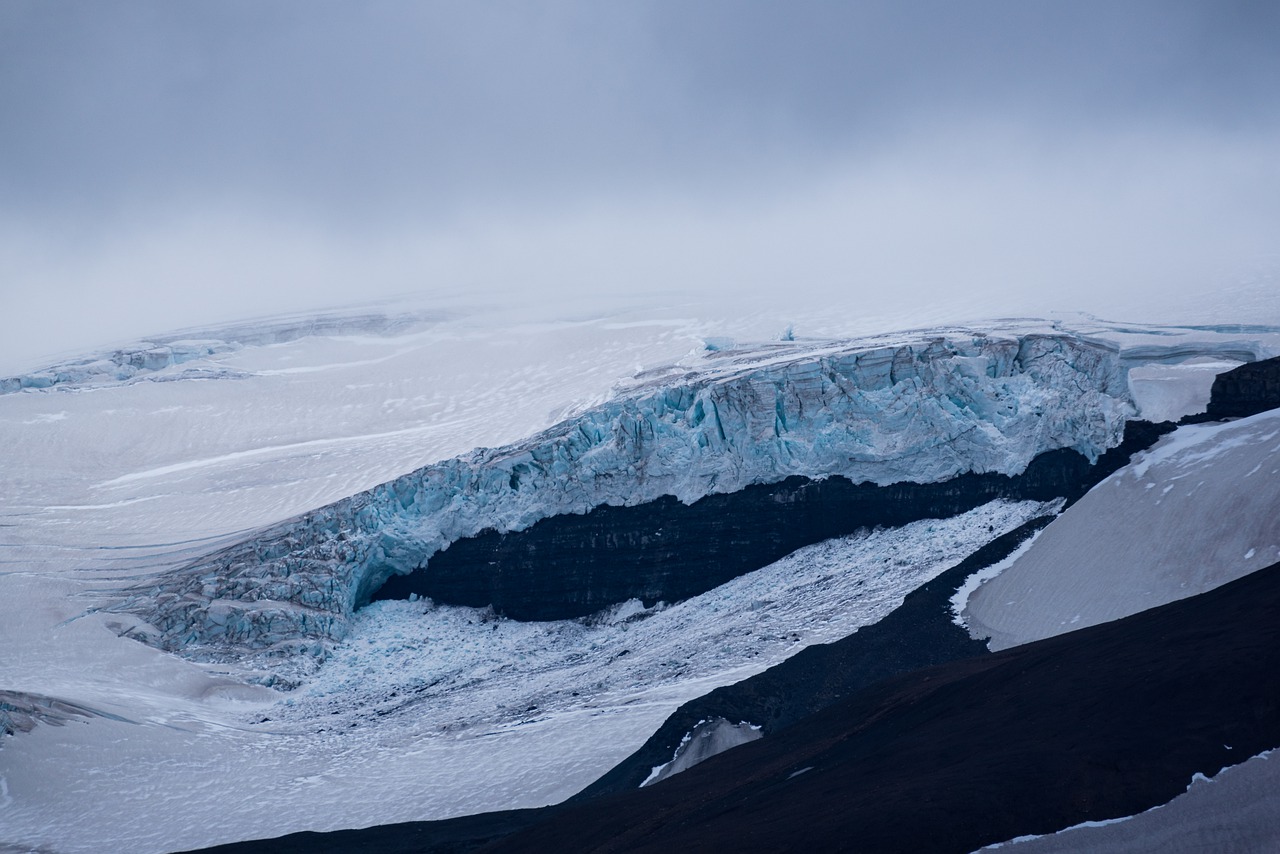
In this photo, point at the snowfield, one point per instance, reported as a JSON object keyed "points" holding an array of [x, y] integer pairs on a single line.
{"points": [[1193, 512], [113, 479]]}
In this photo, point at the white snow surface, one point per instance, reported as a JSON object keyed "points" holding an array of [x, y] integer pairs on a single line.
{"points": [[960, 599], [1195, 511], [107, 482]]}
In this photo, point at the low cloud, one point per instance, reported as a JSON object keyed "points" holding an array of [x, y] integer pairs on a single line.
{"points": [[169, 165], [973, 223]]}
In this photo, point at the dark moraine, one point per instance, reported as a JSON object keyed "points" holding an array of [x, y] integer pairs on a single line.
{"points": [[571, 566]]}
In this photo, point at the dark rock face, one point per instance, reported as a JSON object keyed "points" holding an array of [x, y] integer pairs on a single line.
{"points": [[1246, 390], [571, 566], [918, 634]]}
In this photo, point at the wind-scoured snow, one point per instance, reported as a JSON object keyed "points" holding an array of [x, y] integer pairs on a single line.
{"points": [[1193, 512], [923, 411]]}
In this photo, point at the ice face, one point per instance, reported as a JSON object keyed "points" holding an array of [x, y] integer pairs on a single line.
{"points": [[924, 411]]}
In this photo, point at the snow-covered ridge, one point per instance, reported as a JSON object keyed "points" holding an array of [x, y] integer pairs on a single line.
{"points": [[924, 412]]}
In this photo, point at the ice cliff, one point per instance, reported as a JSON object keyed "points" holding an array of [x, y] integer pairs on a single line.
{"points": [[925, 411]]}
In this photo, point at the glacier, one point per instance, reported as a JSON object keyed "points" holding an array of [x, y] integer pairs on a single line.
{"points": [[430, 711], [925, 411], [128, 484]]}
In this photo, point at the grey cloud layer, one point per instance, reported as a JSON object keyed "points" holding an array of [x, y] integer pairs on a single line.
{"points": [[425, 106], [170, 163]]}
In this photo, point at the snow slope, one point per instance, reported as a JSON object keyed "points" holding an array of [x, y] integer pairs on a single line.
{"points": [[1169, 392], [1195, 511]]}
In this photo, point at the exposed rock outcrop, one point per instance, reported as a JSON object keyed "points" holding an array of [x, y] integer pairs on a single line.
{"points": [[1246, 390], [1089, 726]]}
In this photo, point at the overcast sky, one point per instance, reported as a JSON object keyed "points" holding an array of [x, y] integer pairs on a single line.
{"points": [[173, 163]]}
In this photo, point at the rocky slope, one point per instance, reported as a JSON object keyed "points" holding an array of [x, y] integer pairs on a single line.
{"points": [[947, 759], [1246, 390]]}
